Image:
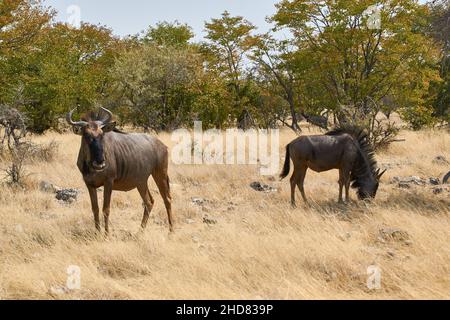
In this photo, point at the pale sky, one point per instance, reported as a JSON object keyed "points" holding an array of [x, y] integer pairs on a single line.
{"points": [[134, 16]]}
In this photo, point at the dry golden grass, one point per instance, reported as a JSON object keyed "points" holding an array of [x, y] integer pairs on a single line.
{"points": [[259, 249]]}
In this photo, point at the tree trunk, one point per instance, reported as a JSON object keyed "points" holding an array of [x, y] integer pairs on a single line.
{"points": [[294, 126]]}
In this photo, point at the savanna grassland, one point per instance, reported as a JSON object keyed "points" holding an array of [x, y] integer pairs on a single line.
{"points": [[254, 246]]}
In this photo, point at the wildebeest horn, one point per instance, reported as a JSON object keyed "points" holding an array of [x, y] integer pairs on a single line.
{"points": [[381, 174], [109, 116], [73, 123]]}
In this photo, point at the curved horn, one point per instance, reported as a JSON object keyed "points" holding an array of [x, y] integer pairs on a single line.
{"points": [[381, 174], [73, 123], [108, 114]]}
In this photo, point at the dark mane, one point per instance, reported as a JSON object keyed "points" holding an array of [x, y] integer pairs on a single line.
{"points": [[365, 164], [93, 116]]}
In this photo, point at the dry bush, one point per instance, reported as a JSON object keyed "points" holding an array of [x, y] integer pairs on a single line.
{"points": [[382, 135], [46, 152], [366, 115], [15, 172], [13, 124], [25, 153]]}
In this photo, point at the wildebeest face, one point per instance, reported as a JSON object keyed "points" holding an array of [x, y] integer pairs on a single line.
{"points": [[367, 192], [93, 137], [370, 189], [93, 133]]}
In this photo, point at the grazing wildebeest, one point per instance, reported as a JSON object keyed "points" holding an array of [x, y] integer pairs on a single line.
{"points": [[346, 149], [118, 161]]}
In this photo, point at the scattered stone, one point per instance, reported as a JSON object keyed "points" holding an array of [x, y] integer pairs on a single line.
{"points": [[232, 206], [199, 201], [257, 186], [440, 160], [209, 221], [48, 187], [389, 234], [438, 190], [434, 181], [190, 221], [67, 195], [410, 180], [404, 185]]}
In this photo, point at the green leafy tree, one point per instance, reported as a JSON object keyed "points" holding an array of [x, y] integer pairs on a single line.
{"points": [[229, 41], [440, 31], [21, 22], [169, 34], [275, 66], [357, 60], [69, 69], [155, 84]]}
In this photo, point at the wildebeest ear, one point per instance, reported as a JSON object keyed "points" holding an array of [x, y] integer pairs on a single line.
{"points": [[109, 127]]}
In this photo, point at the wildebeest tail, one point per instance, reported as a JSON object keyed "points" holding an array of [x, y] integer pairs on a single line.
{"points": [[287, 163]]}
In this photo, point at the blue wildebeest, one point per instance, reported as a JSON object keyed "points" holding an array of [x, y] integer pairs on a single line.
{"points": [[346, 149], [118, 161]]}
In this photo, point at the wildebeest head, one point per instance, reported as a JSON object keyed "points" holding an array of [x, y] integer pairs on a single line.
{"points": [[92, 128], [369, 189]]}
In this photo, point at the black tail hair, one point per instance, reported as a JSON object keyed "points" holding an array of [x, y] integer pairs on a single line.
{"points": [[287, 163]]}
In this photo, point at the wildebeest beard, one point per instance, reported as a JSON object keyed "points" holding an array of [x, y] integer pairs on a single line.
{"points": [[96, 150]]}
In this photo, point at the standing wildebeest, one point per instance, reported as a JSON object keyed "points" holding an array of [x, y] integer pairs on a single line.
{"points": [[120, 161], [347, 149]]}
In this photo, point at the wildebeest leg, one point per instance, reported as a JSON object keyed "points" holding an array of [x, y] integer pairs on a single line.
{"points": [[149, 202], [298, 180], [293, 188], [347, 187], [344, 181], [301, 181], [107, 204], [95, 208], [162, 181], [341, 185]]}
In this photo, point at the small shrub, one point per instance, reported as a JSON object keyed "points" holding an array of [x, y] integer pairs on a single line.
{"points": [[43, 152], [13, 124], [16, 173], [383, 134]]}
